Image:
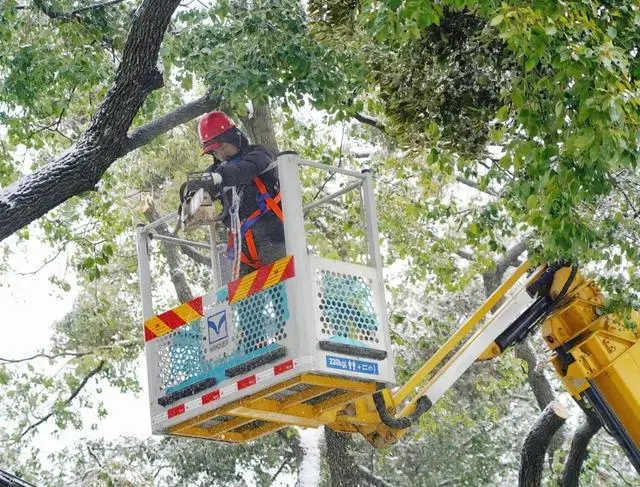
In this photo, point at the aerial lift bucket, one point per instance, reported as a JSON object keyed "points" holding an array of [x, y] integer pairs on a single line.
{"points": [[292, 343]]}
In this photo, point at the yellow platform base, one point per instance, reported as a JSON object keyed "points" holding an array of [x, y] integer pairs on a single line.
{"points": [[309, 400]]}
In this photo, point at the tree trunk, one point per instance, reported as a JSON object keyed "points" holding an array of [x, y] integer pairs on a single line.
{"points": [[82, 166], [342, 467], [537, 442], [260, 126], [540, 386], [578, 452]]}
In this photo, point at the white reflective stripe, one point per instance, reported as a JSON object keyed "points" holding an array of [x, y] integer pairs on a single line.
{"points": [[478, 343], [196, 403]]}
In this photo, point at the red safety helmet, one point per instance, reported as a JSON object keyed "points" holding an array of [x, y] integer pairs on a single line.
{"points": [[210, 126]]}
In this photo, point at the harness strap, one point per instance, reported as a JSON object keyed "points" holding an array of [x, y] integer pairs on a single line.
{"points": [[251, 246], [253, 260], [271, 203]]}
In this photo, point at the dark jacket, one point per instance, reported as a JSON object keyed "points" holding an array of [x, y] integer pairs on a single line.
{"points": [[239, 172]]}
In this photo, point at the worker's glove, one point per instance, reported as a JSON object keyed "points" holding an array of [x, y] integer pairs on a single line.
{"points": [[216, 178]]}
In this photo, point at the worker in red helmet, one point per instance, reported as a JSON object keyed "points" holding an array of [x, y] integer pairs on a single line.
{"points": [[252, 195]]}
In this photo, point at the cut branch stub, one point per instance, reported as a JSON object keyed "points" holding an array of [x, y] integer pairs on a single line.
{"points": [[537, 442]]}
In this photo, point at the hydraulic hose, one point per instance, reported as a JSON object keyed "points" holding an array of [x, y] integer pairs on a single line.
{"points": [[423, 404]]}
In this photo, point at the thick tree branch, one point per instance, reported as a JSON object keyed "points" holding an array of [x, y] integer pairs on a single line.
{"points": [[540, 386], [145, 134], [374, 122], [371, 479], [68, 400], [194, 255], [536, 444], [510, 259], [512, 255], [260, 126], [74, 14], [342, 466], [81, 167], [578, 451]]}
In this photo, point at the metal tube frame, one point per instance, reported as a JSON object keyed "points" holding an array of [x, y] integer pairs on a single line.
{"points": [[159, 221], [294, 230], [332, 196], [144, 271], [328, 168], [179, 241]]}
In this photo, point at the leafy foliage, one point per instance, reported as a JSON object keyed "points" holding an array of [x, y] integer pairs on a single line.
{"points": [[501, 120]]}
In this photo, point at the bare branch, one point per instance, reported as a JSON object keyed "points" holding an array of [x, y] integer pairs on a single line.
{"points": [[43, 355], [124, 344], [44, 264], [474, 185], [465, 255], [578, 451], [287, 459], [67, 401], [371, 478], [66, 16], [374, 122], [93, 455], [145, 134], [626, 482]]}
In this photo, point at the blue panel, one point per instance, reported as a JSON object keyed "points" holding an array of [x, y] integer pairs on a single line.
{"points": [[258, 328], [352, 365]]}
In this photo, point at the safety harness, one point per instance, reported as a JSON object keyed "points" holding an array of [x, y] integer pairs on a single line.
{"points": [[266, 204]]}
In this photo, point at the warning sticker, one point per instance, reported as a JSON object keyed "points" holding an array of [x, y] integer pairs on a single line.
{"points": [[352, 365]]}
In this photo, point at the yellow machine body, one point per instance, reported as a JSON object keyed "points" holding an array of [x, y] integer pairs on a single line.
{"points": [[596, 352]]}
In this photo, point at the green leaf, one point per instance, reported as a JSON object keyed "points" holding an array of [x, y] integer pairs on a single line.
{"points": [[497, 20]]}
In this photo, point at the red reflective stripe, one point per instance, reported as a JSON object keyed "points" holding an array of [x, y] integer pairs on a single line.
{"points": [[246, 382], [210, 396], [283, 367], [175, 411], [261, 277]]}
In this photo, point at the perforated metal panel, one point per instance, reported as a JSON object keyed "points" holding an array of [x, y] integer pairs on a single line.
{"points": [[346, 305], [180, 355], [262, 318], [259, 324]]}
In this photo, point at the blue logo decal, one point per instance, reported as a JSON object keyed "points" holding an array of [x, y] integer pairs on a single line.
{"points": [[352, 365], [217, 326]]}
